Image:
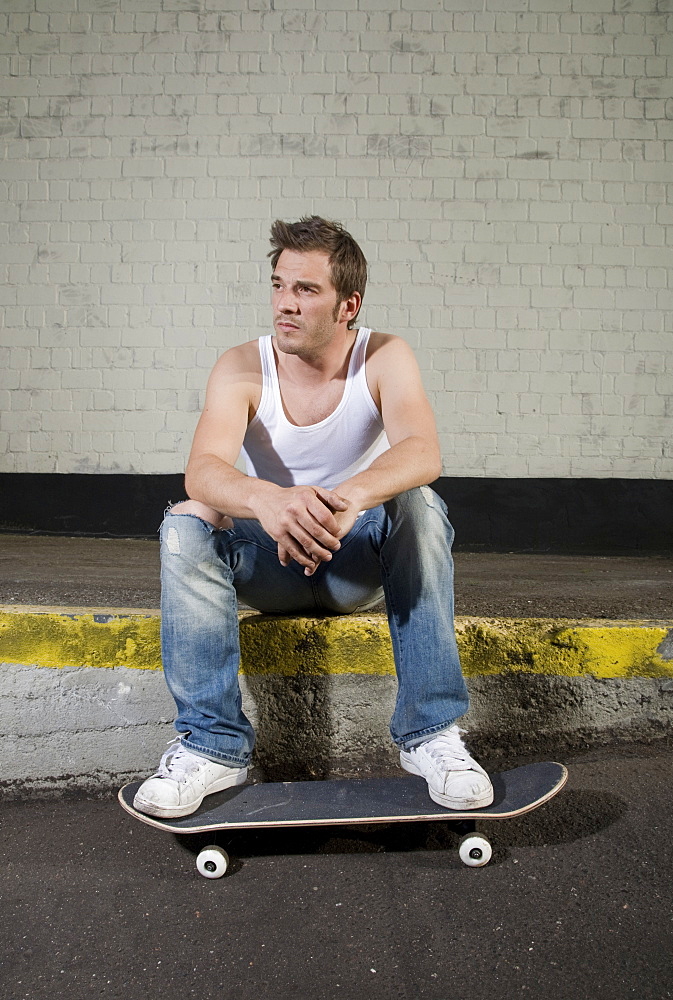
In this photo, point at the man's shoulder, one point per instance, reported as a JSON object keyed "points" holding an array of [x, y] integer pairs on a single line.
{"points": [[386, 349], [239, 360], [237, 371]]}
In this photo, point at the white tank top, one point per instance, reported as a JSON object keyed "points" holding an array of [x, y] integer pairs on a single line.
{"points": [[323, 454]]}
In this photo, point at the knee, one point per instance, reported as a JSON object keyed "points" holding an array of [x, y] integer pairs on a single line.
{"points": [[421, 502], [422, 510], [190, 538], [202, 511]]}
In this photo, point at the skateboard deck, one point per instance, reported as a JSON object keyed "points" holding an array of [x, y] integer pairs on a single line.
{"points": [[354, 800]]}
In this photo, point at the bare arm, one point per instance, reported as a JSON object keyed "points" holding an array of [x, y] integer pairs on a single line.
{"points": [[414, 456], [299, 518]]}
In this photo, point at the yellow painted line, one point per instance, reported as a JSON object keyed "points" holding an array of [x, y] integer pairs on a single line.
{"points": [[76, 637], [565, 648], [354, 644], [358, 644]]}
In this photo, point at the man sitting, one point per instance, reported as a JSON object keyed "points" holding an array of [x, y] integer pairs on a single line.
{"points": [[334, 513]]}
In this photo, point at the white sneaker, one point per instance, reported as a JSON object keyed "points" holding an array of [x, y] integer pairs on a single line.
{"points": [[182, 781], [454, 779]]}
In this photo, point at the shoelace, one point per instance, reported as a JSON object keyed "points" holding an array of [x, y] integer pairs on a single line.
{"points": [[177, 762], [449, 750]]}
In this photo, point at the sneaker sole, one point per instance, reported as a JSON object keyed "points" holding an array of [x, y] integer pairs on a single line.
{"points": [[460, 805], [175, 812]]}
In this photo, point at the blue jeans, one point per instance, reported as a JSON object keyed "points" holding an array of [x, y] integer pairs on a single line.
{"points": [[400, 550]]}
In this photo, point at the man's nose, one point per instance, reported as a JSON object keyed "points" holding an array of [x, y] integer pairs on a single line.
{"points": [[287, 301]]}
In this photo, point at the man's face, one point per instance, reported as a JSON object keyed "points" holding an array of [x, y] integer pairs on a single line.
{"points": [[304, 303]]}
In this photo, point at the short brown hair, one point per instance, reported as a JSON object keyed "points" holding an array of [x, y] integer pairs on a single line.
{"points": [[348, 266]]}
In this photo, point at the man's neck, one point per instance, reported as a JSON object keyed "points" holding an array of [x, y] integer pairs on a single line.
{"points": [[331, 363]]}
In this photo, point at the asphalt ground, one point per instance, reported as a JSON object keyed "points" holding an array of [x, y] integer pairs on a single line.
{"points": [[124, 573], [576, 903]]}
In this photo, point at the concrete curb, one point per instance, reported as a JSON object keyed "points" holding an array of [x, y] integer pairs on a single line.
{"points": [[85, 704], [357, 644]]}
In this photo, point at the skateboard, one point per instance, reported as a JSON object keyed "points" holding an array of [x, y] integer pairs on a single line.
{"points": [[354, 800]]}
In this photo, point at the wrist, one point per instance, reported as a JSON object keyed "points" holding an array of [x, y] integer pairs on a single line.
{"points": [[355, 494], [261, 492]]}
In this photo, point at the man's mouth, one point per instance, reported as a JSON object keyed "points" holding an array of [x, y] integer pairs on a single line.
{"points": [[283, 324]]}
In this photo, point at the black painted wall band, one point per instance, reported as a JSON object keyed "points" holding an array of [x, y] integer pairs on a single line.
{"points": [[601, 516]]}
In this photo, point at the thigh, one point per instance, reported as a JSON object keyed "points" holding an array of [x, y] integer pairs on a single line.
{"points": [[351, 581], [259, 578]]}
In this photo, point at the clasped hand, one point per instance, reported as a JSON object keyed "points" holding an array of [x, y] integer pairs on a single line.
{"points": [[307, 522]]}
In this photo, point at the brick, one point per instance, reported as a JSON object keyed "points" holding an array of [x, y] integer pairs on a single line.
{"points": [[518, 163]]}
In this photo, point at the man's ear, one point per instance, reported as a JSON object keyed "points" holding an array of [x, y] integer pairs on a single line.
{"points": [[349, 308]]}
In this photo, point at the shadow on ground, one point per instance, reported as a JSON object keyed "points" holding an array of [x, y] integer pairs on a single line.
{"points": [[571, 816]]}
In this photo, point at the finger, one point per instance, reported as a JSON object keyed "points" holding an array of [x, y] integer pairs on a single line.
{"points": [[301, 547], [312, 525], [322, 536], [332, 499], [285, 558], [310, 570]]}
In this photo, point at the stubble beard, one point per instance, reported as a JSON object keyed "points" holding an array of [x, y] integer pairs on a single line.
{"points": [[308, 350]]}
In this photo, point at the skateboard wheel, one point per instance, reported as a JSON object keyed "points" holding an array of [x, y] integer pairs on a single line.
{"points": [[212, 862], [475, 850]]}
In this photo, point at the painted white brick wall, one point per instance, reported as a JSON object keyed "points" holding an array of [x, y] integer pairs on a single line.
{"points": [[506, 164]]}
